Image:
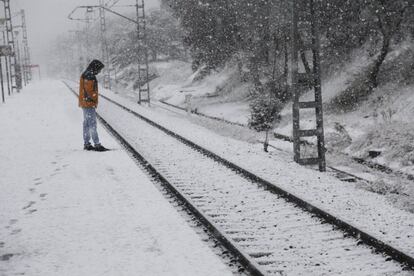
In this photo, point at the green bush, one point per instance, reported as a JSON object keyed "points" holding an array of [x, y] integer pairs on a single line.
{"points": [[265, 110]]}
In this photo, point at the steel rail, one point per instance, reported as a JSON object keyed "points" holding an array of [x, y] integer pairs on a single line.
{"points": [[370, 240], [204, 115], [369, 164], [249, 264]]}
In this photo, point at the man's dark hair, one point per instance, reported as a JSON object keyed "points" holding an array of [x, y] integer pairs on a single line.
{"points": [[95, 66]]}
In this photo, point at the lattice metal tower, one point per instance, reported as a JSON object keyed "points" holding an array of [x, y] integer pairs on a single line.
{"points": [[2, 81], [19, 61], [306, 21], [104, 46], [26, 50], [7, 66], [143, 68], [10, 41]]}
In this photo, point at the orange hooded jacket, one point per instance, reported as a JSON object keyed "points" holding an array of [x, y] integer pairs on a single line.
{"points": [[88, 92]]}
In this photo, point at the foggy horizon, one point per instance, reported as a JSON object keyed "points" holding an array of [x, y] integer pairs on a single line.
{"points": [[47, 19]]}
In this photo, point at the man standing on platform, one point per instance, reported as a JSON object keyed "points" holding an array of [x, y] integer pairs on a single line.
{"points": [[88, 101]]}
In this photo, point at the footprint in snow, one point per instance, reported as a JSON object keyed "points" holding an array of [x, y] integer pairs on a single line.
{"points": [[31, 211], [111, 171], [58, 157], [43, 196], [6, 257], [30, 204], [16, 231]]}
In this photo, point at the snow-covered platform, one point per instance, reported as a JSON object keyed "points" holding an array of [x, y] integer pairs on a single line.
{"points": [[64, 211]]}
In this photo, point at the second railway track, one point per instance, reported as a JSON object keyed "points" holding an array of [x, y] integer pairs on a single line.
{"points": [[342, 175], [277, 233]]}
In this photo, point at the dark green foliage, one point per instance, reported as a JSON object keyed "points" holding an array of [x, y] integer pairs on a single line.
{"points": [[345, 28], [216, 30], [279, 91], [210, 30], [164, 35], [265, 110], [261, 29], [399, 70], [383, 22]]}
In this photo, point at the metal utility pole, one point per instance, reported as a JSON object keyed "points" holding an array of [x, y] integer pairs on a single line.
{"points": [[142, 52], [1, 80], [7, 59], [20, 60], [315, 82], [143, 68], [27, 72], [18, 64], [104, 46], [10, 41]]}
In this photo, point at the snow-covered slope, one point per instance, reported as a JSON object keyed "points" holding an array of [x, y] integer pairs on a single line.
{"points": [[382, 122]]}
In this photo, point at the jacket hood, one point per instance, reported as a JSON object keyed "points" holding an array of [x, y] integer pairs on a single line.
{"points": [[95, 66]]}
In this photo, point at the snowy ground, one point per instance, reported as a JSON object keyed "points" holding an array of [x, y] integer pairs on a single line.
{"points": [[64, 211], [382, 123], [365, 210]]}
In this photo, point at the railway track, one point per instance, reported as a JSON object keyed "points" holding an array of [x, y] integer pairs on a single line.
{"points": [[271, 231], [340, 174]]}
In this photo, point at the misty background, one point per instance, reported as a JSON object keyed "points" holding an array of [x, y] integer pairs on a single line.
{"points": [[48, 19]]}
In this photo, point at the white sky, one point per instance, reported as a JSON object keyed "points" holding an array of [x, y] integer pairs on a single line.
{"points": [[46, 19]]}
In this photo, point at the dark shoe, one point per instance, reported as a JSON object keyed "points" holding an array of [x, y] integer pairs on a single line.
{"points": [[100, 148], [88, 147]]}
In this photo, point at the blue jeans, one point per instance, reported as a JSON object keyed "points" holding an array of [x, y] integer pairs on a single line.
{"points": [[89, 126]]}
